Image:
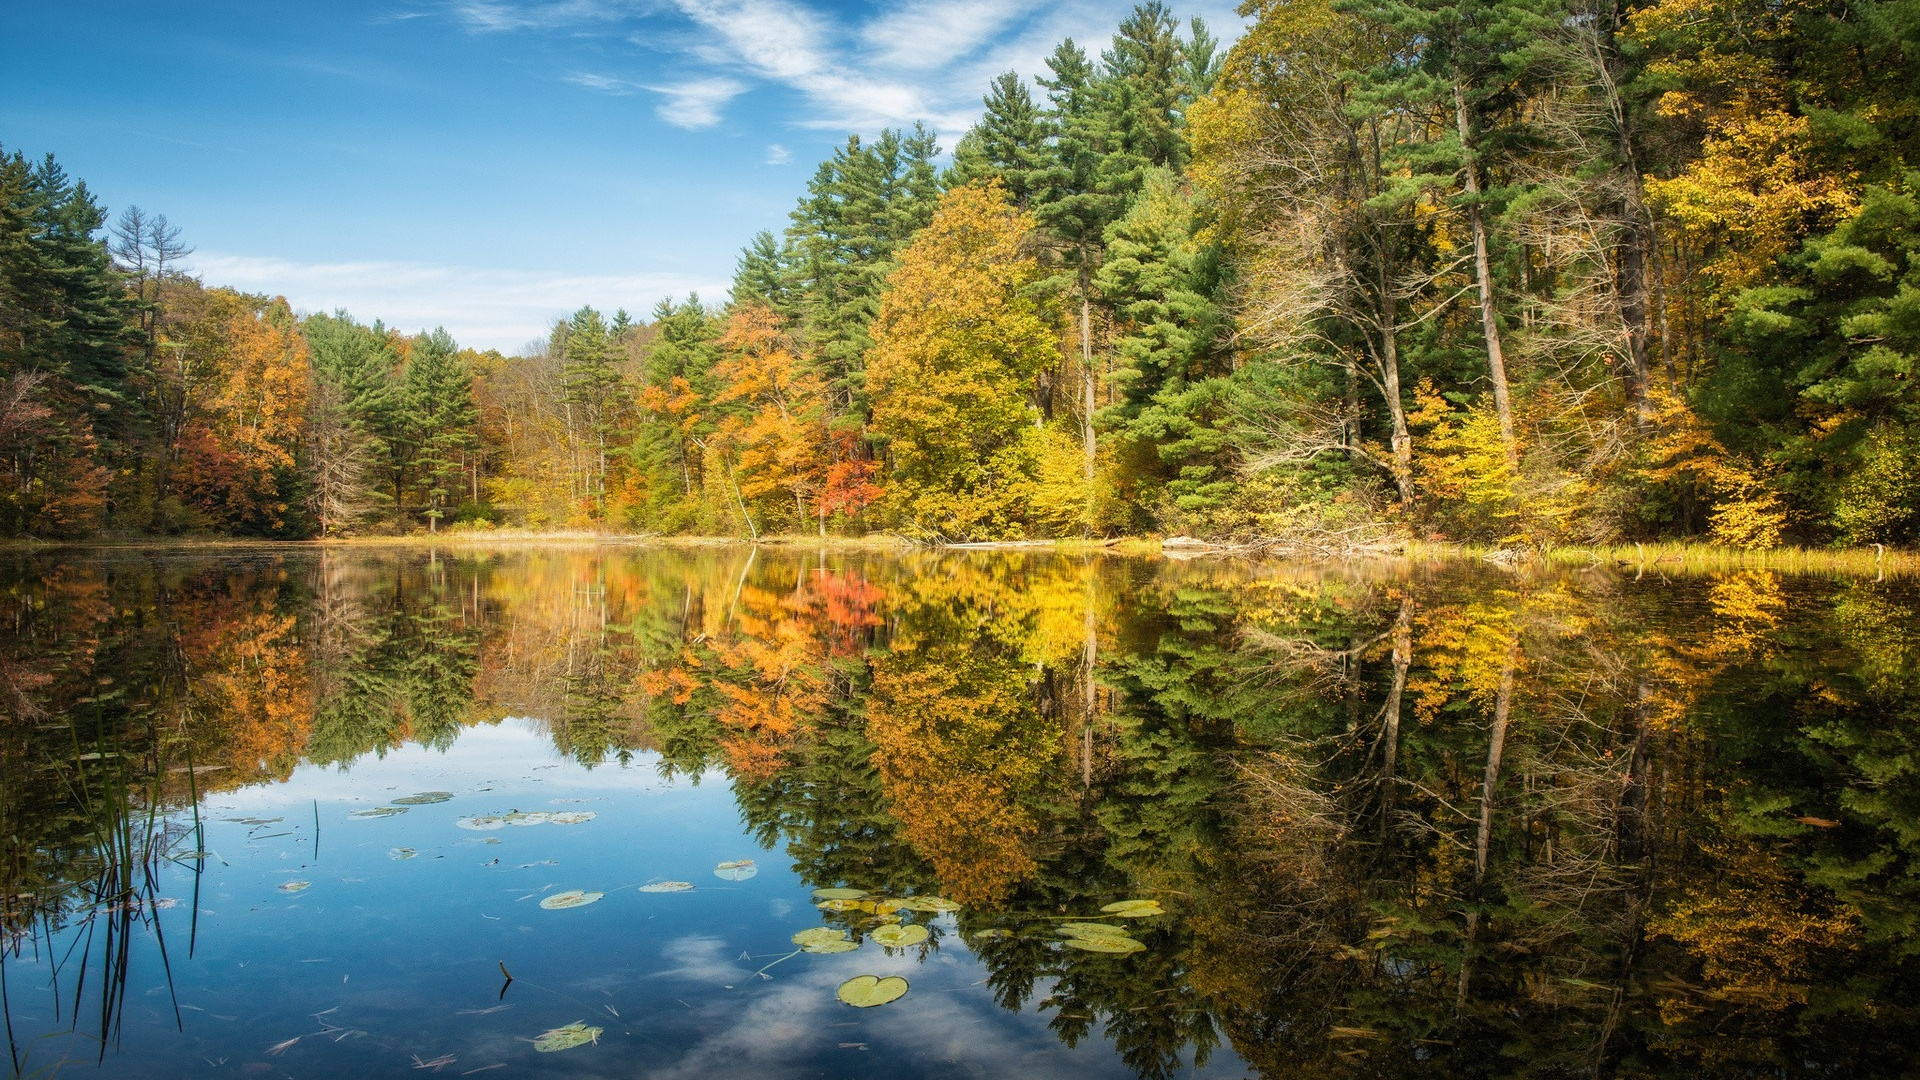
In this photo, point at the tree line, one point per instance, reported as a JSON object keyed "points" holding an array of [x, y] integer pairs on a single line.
{"points": [[1502, 271]]}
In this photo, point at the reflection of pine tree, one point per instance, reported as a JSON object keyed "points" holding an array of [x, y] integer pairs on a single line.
{"points": [[442, 650]]}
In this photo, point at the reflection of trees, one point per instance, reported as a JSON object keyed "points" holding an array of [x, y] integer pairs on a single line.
{"points": [[1420, 822]]}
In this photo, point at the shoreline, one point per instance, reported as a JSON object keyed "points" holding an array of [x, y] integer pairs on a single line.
{"points": [[1645, 558]]}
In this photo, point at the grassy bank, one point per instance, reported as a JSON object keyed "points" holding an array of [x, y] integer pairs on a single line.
{"points": [[1670, 557]]}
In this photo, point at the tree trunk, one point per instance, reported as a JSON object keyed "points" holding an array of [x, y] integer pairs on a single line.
{"points": [[1086, 366], [1483, 838], [1390, 385], [1483, 277]]}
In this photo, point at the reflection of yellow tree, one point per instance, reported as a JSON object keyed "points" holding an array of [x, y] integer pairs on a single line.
{"points": [[249, 684], [962, 743], [959, 741]]}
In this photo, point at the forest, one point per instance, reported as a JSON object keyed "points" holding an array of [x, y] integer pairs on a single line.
{"points": [[1505, 272]]}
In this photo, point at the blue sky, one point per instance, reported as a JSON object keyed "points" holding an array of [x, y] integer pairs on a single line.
{"points": [[491, 164]]}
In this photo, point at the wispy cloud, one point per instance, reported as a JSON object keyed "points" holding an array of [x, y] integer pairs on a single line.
{"points": [[492, 16], [926, 35], [485, 308], [927, 60], [778, 155], [696, 103], [606, 84]]}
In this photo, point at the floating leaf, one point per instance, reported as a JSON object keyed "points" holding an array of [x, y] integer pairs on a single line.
{"points": [[899, 937], [668, 886], [482, 823], [1120, 945], [838, 894], [566, 1038], [400, 853], [936, 904], [737, 870], [1134, 909], [866, 991], [824, 939], [838, 904], [254, 820], [883, 907], [294, 886], [527, 817], [570, 898], [379, 811], [571, 817], [1093, 929], [425, 798], [993, 932]]}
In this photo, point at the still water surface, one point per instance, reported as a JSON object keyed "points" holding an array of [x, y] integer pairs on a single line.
{"points": [[1437, 820]]}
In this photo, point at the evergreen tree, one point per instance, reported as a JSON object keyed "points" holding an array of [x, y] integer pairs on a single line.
{"points": [[592, 388], [1008, 144], [1145, 80], [763, 275], [441, 415], [862, 204], [1470, 70], [357, 367]]}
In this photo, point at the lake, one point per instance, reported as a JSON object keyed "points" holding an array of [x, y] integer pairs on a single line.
{"points": [[615, 811]]}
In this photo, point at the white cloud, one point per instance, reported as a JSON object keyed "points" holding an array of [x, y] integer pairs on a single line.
{"points": [[778, 155], [492, 16], [926, 35], [484, 308], [697, 103], [606, 84], [925, 60]]}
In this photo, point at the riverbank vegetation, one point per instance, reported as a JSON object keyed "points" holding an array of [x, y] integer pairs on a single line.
{"points": [[1518, 272]]}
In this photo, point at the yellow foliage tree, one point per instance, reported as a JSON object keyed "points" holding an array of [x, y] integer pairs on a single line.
{"points": [[958, 344]]}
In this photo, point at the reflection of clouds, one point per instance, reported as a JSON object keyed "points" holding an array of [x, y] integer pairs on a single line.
{"points": [[702, 959], [797, 1026], [488, 755]]}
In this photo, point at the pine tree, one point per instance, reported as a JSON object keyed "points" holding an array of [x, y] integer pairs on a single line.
{"points": [[354, 371], [442, 416], [592, 389], [1469, 71], [1008, 144]]}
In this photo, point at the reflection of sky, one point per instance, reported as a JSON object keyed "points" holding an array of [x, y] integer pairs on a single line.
{"points": [[379, 963]]}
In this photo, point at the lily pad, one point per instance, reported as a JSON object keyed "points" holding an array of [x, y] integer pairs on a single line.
{"points": [[736, 870], [668, 886], [1118, 945], [570, 899], [884, 907], [571, 817], [824, 940], [566, 1038], [379, 811], [528, 817], [294, 886], [899, 937], [482, 823], [936, 904], [425, 798], [400, 853], [1134, 909], [992, 932], [838, 894], [838, 904], [1093, 930], [866, 991]]}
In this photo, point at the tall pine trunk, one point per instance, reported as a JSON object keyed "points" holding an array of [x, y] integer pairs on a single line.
{"points": [[1483, 277]]}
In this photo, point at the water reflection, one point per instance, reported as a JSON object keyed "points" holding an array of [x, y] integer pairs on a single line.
{"points": [[1406, 820]]}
